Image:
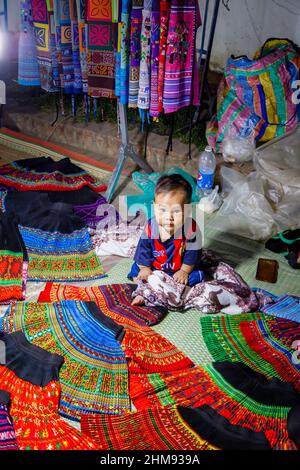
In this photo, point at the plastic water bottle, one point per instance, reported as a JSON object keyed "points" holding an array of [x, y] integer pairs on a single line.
{"points": [[206, 172]]}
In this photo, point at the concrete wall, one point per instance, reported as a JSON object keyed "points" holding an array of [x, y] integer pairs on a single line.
{"points": [[239, 31], [249, 23]]}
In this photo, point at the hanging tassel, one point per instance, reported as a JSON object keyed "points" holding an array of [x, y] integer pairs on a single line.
{"points": [[56, 95], [62, 106], [73, 105], [95, 104], [145, 117], [86, 107], [170, 141], [89, 106]]}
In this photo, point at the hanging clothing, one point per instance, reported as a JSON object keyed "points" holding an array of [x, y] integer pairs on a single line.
{"points": [[236, 392], [8, 440], [144, 75], [30, 376], [13, 261], [82, 36], [180, 55], [155, 35], [94, 376], [125, 50], [77, 81], [44, 28], [101, 45], [28, 70], [135, 51], [164, 25]]}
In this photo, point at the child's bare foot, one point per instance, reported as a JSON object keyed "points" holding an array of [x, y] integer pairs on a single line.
{"points": [[138, 300]]}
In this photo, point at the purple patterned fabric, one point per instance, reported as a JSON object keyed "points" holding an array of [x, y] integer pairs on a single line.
{"points": [[135, 52], [155, 35], [180, 55]]}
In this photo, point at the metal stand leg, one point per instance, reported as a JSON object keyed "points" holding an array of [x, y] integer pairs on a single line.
{"points": [[126, 150]]}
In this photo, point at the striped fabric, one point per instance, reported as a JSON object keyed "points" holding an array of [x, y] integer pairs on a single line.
{"points": [[241, 396], [285, 306], [153, 429], [56, 256], [255, 97], [145, 349], [183, 23], [114, 300], [262, 342], [8, 440]]}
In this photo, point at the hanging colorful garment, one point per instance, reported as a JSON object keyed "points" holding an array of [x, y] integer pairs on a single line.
{"points": [[28, 70], [164, 25], [155, 35], [77, 81], [242, 396], [8, 440], [94, 376], [44, 28], [13, 261], [255, 97], [180, 55], [101, 44], [145, 349], [45, 174], [175, 428], [67, 43], [82, 35], [113, 300], [144, 76], [125, 50], [135, 51], [30, 375], [263, 343]]}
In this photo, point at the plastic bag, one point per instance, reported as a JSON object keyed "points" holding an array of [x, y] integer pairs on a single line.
{"points": [[278, 165], [238, 149], [245, 211], [147, 183], [212, 202]]}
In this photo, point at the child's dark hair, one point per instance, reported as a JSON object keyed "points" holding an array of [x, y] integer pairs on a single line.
{"points": [[170, 183]]}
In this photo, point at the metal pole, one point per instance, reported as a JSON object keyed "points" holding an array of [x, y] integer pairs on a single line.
{"points": [[126, 150], [209, 47], [5, 14]]}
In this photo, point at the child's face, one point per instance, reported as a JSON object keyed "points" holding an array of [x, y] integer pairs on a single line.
{"points": [[169, 210]]}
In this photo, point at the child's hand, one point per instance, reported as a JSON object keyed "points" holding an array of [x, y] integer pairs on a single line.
{"points": [[181, 277], [144, 273]]}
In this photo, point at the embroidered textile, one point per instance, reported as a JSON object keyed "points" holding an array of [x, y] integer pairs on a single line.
{"points": [[135, 52], [28, 70], [183, 23], [263, 343], [113, 300], [31, 377], [8, 440], [234, 391], [94, 376], [45, 174]]}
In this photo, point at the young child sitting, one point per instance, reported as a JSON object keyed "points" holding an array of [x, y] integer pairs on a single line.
{"points": [[171, 241]]}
